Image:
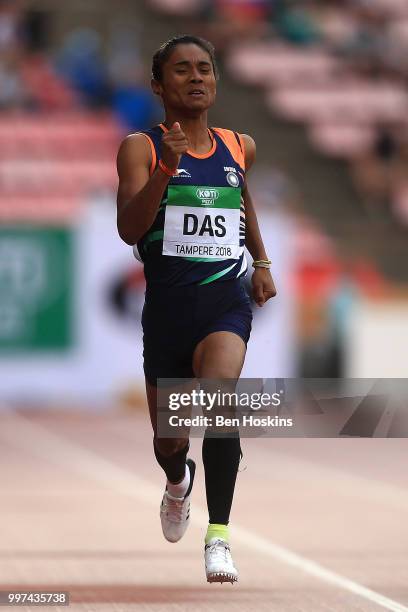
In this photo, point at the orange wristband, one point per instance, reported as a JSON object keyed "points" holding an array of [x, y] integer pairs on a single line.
{"points": [[166, 170]]}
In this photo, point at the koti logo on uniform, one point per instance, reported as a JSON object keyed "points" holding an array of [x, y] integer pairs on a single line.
{"points": [[207, 196]]}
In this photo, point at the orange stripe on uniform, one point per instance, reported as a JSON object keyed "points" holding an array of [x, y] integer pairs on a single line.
{"points": [[153, 151], [232, 144]]}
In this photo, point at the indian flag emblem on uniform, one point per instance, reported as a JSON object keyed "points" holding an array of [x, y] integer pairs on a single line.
{"points": [[232, 179]]}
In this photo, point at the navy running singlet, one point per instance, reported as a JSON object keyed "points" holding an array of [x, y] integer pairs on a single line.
{"points": [[198, 235]]}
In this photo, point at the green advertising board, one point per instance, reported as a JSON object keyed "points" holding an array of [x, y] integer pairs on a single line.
{"points": [[36, 288]]}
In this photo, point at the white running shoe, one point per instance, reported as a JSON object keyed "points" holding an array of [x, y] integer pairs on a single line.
{"points": [[219, 566], [175, 511]]}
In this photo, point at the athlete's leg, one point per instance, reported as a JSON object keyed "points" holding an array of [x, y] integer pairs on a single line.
{"points": [[220, 355], [170, 453]]}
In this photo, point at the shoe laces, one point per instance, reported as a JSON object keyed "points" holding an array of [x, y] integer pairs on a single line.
{"points": [[220, 549], [174, 508]]}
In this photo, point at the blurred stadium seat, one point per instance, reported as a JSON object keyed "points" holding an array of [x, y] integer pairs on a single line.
{"points": [[341, 140], [274, 64], [354, 102]]}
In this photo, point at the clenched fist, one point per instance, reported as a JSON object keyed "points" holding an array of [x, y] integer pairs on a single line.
{"points": [[174, 144], [263, 287]]}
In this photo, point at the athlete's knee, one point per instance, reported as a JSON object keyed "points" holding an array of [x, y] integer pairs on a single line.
{"points": [[216, 371]]}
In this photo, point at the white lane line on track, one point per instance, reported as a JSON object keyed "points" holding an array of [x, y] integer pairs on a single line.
{"points": [[56, 448]]}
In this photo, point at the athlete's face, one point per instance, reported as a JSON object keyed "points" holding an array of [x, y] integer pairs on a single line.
{"points": [[188, 81]]}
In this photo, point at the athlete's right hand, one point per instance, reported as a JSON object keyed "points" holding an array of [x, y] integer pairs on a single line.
{"points": [[174, 144]]}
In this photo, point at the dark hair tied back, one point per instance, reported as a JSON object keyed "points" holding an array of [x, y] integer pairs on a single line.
{"points": [[165, 50]]}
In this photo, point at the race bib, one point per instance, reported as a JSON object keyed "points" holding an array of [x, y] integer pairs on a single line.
{"points": [[202, 222]]}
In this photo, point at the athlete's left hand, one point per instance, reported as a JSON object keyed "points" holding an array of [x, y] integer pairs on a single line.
{"points": [[263, 287]]}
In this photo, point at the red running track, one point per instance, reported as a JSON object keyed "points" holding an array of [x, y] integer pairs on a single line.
{"points": [[317, 525]]}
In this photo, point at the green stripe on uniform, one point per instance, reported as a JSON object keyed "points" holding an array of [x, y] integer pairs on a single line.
{"points": [[214, 277], [158, 235]]}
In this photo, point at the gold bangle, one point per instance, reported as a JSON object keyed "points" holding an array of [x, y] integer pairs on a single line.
{"points": [[261, 263]]}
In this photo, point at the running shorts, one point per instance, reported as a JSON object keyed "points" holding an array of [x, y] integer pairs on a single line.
{"points": [[176, 319]]}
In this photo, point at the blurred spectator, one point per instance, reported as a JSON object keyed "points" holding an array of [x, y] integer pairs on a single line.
{"points": [[378, 172], [400, 204], [81, 63], [46, 90], [367, 46], [318, 354], [134, 106], [248, 11], [340, 305], [133, 102], [36, 26], [336, 24], [397, 33], [295, 22], [10, 18], [236, 20], [12, 91]]}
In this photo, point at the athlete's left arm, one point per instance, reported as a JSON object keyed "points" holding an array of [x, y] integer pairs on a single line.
{"points": [[263, 287]]}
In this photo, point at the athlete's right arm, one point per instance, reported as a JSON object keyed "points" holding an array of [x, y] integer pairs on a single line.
{"points": [[139, 194]]}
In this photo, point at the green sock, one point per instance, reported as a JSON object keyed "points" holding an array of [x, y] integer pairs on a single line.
{"points": [[216, 531]]}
